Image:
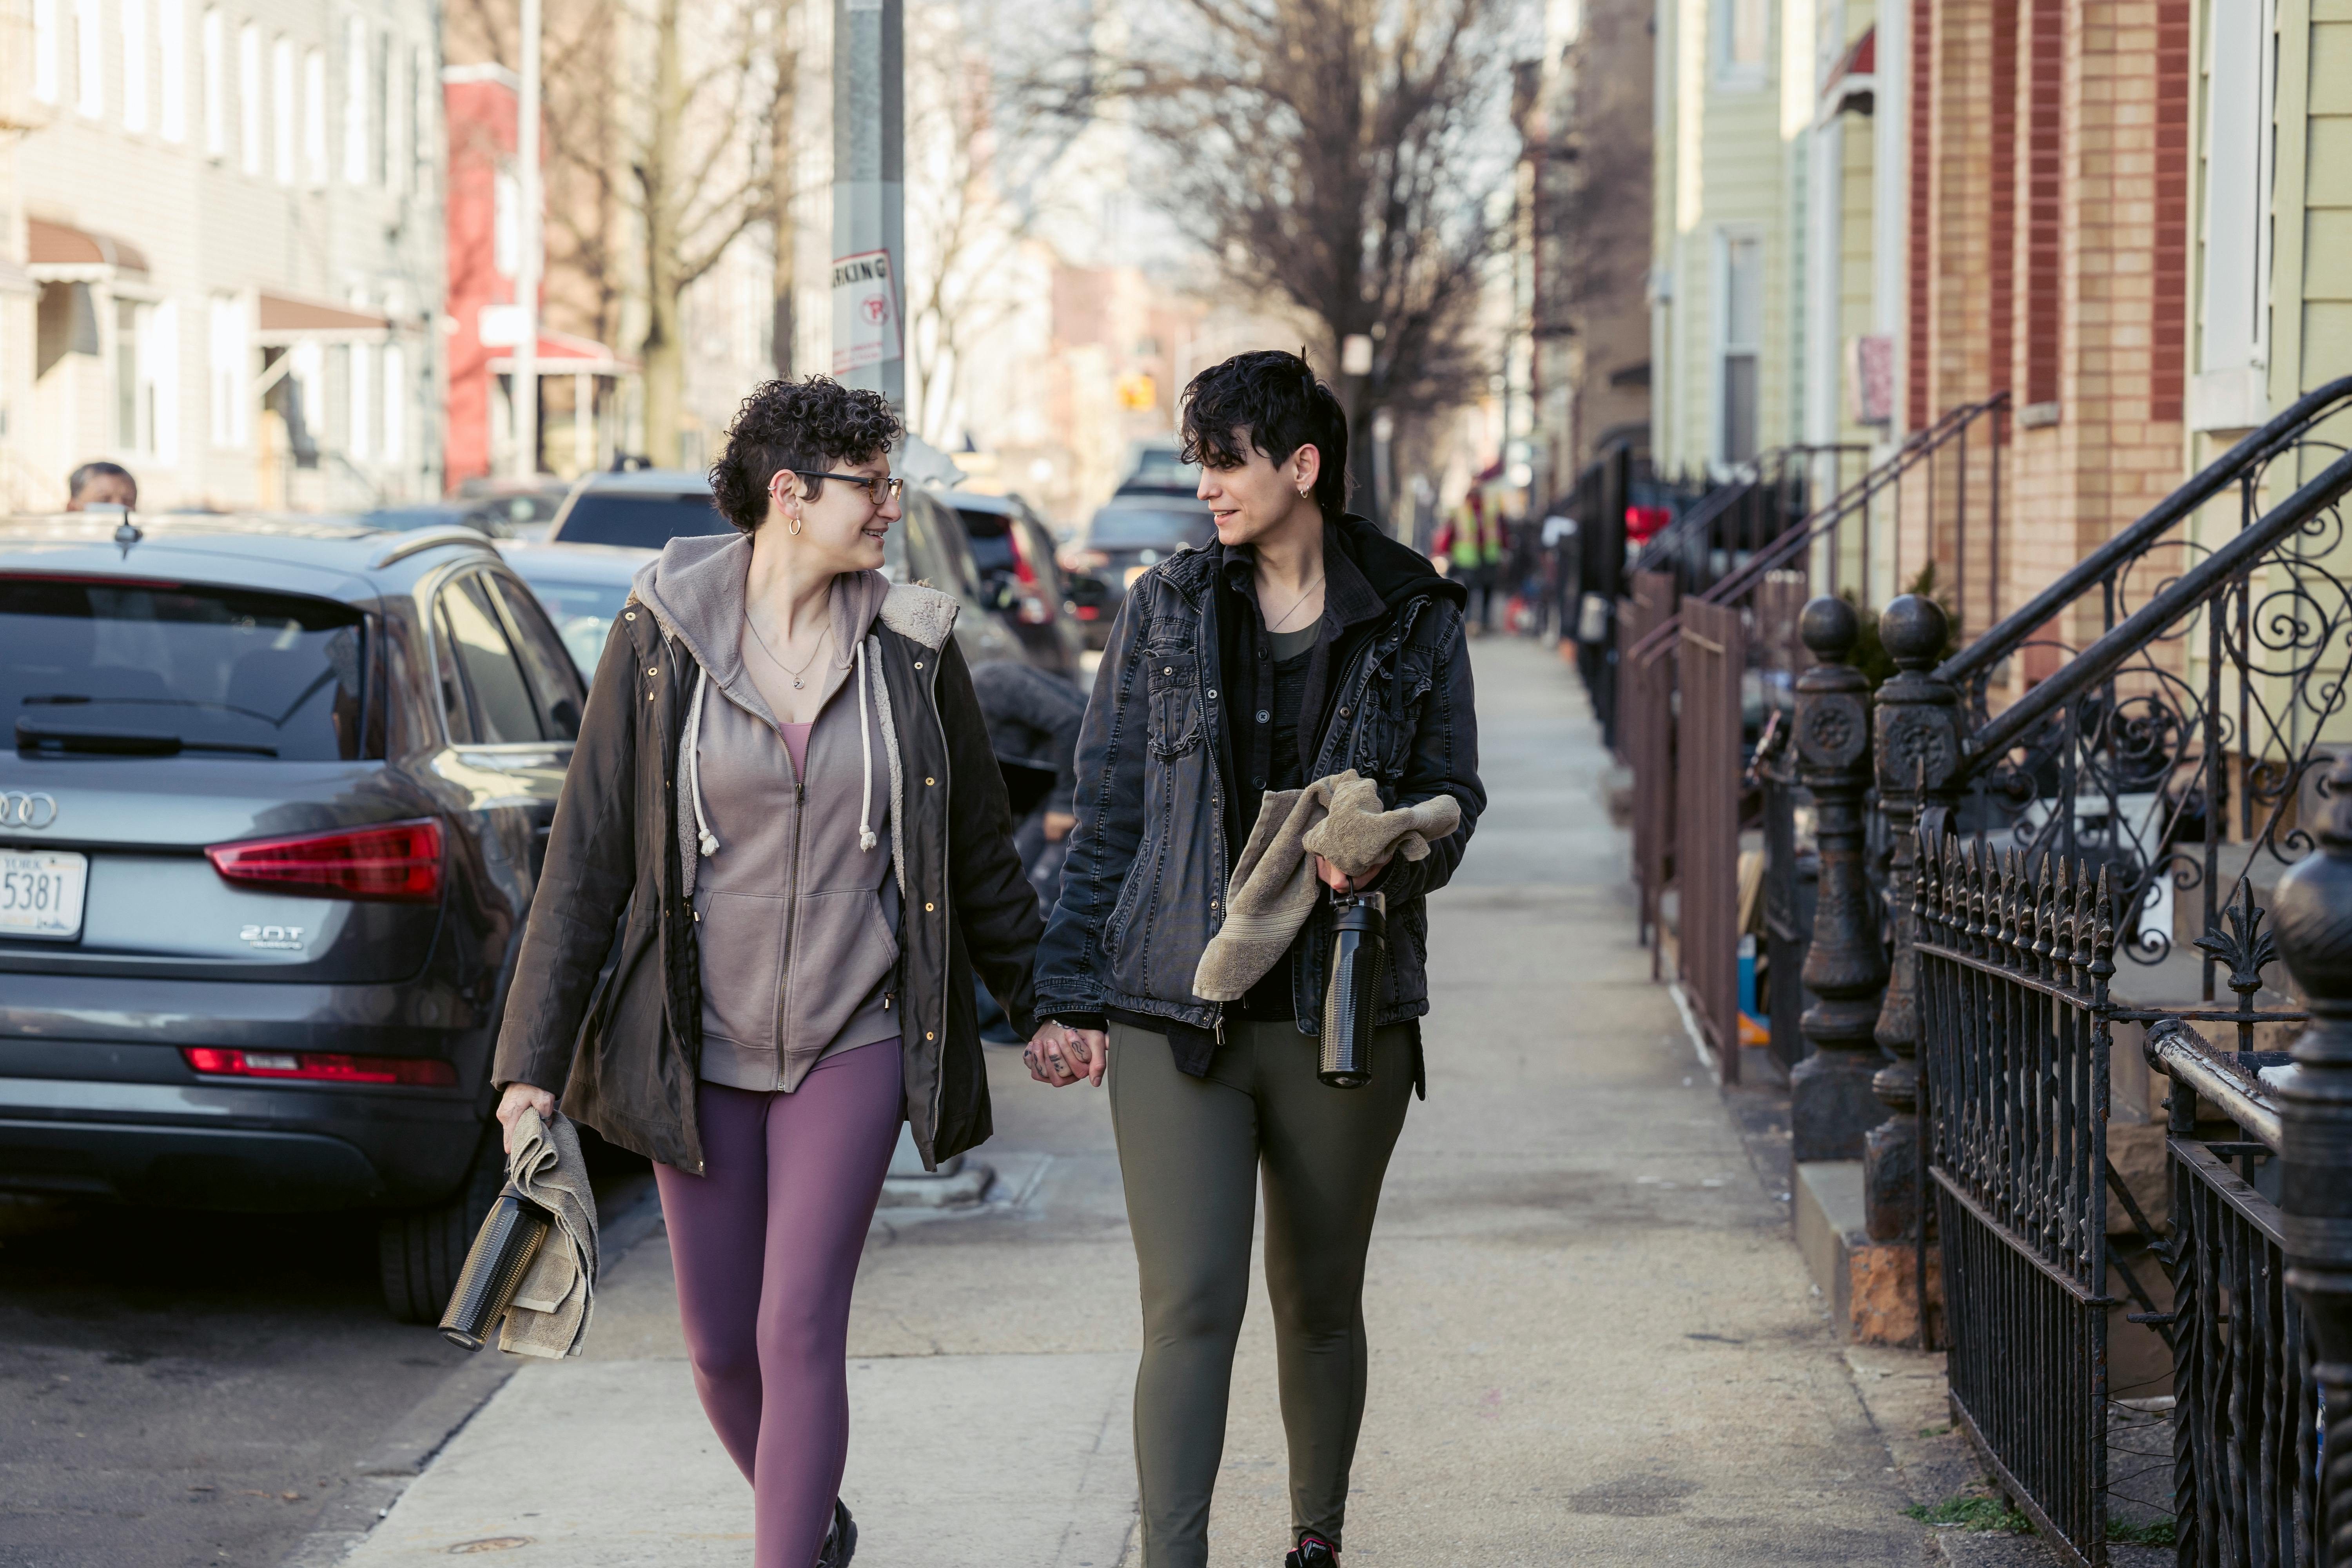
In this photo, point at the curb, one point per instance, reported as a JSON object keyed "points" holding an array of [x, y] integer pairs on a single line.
{"points": [[410, 1444]]}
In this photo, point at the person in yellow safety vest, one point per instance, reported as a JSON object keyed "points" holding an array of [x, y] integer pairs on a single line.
{"points": [[1472, 544]]}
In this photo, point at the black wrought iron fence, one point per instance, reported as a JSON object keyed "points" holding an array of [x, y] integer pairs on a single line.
{"points": [[2013, 969], [2245, 1456]]}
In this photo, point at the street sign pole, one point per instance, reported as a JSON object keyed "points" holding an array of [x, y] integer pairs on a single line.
{"points": [[527, 273], [869, 196]]}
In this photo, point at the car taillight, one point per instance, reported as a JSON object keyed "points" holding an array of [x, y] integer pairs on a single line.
{"points": [[320, 1067], [1640, 522], [399, 862]]}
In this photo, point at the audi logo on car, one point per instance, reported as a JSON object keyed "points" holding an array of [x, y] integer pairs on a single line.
{"points": [[20, 809]]}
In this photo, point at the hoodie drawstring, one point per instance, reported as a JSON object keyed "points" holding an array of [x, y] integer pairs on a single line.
{"points": [[865, 839], [692, 761], [704, 837]]}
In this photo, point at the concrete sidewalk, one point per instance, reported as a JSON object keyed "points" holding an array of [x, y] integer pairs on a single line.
{"points": [[1591, 1339]]}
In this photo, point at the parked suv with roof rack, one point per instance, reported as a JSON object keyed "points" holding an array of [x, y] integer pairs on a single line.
{"points": [[290, 785]]}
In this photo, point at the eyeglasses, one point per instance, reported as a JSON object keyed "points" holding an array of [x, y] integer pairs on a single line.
{"points": [[875, 487]]}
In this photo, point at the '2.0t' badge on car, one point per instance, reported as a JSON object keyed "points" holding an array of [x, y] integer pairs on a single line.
{"points": [[273, 939]]}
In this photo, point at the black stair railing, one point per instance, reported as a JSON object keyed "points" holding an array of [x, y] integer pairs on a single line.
{"points": [[2173, 758]]}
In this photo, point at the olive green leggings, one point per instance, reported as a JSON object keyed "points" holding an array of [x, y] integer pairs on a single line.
{"points": [[1191, 1151]]}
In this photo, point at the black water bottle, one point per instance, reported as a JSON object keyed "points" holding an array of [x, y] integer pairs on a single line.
{"points": [[1359, 957], [510, 1236]]}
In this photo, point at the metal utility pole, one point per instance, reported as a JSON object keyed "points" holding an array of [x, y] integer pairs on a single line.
{"points": [[869, 196], [527, 270]]}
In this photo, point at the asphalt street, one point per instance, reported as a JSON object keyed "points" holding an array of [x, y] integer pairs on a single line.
{"points": [[184, 1389]]}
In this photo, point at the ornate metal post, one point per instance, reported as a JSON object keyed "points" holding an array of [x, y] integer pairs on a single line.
{"points": [[1918, 744], [1831, 1106], [2313, 903]]}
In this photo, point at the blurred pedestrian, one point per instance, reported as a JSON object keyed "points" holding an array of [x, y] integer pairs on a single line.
{"points": [[1032, 720], [1304, 643], [100, 484], [801, 817]]}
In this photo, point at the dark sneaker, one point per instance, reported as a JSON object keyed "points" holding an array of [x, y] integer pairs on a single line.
{"points": [[841, 1541], [1313, 1551]]}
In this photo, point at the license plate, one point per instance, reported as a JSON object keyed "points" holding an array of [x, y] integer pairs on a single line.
{"points": [[41, 892]]}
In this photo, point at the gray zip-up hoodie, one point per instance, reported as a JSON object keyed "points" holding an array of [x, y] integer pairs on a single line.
{"points": [[795, 900]]}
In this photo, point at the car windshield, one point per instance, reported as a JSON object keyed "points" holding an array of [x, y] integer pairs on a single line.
{"points": [[141, 669], [992, 548], [582, 614], [1148, 528], [648, 522], [1162, 471]]}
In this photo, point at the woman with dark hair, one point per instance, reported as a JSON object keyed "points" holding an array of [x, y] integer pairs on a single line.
{"points": [[1303, 643], [783, 781]]}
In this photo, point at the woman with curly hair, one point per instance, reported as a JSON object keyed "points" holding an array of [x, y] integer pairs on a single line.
{"points": [[783, 783]]}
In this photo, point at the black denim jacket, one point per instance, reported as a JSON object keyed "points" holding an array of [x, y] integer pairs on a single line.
{"points": [[1144, 886]]}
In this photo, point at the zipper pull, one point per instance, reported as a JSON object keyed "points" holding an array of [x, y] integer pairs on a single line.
{"points": [[1220, 1023]]}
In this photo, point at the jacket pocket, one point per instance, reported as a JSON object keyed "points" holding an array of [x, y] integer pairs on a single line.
{"points": [[742, 941], [1172, 687], [842, 949]]}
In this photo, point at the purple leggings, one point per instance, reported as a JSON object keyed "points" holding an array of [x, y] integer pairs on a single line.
{"points": [[765, 1246]]}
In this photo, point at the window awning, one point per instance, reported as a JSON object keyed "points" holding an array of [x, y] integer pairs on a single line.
{"points": [[283, 320], [1853, 81], [560, 353], [60, 253]]}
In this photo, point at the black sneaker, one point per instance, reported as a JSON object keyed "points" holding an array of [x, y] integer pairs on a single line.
{"points": [[1313, 1552], [841, 1541]]}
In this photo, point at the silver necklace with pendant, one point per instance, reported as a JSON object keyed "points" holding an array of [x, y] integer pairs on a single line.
{"points": [[822, 637]]}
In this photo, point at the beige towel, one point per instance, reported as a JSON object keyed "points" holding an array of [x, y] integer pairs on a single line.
{"points": [[551, 1306], [1273, 883]]}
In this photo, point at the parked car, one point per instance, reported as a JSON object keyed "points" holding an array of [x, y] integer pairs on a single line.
{"points": [[505, 511], [583, 587], [1159, 469], [1015, 552], [1127, 536], [643, 508], [648, 508], [277, 803]]}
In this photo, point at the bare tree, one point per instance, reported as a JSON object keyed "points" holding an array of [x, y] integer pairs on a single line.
{"points": [[663, 132], [963, 229], [1350, 157]]}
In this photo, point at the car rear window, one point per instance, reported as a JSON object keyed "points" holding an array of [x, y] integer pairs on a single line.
{"points": [[648, 522], [1145, 527], [142, 668], [582, 614], [992, 541]]}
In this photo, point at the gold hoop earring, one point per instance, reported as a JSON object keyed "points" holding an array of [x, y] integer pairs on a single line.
{"points": [[793, 524], [1302, 492]]}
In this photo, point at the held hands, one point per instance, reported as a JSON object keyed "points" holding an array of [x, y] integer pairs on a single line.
{"points": [[1057, 825], [1338, 881], [510, 1106], [1061, 1056]]}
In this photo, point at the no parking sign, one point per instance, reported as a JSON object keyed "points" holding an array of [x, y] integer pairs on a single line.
{"points": [[865, 312]]}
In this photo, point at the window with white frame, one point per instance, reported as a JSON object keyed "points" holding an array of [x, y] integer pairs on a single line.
{"points": [[89, 64], [314, 117], [395, 401], [171, 69], [232, 420], [145, 376], [281, 119], [1742, 31], [2230, 389], [355, 101], [251, 99], [213, 42], [1739, 311], [427, 108], [45, 50], [135, 64], [396, 110], [361, 440]]}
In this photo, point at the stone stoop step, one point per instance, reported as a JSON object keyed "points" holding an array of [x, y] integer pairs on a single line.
{"points": [[1870, 1288]]}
